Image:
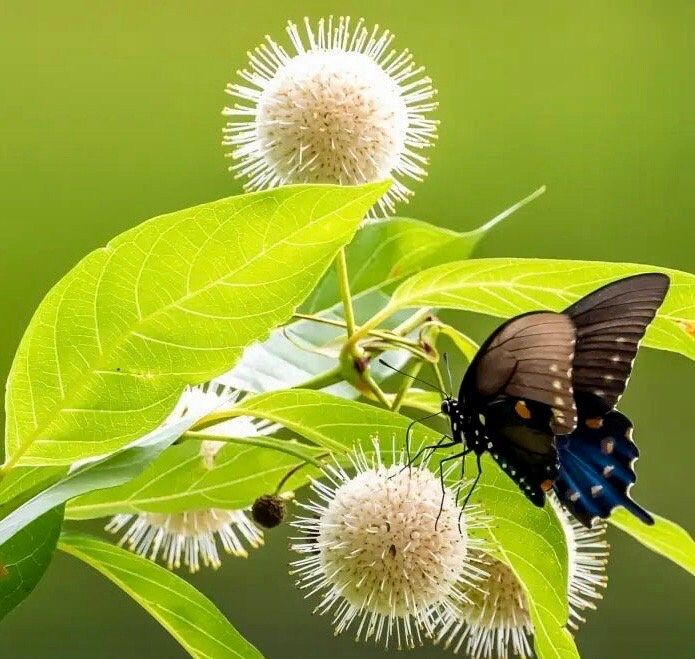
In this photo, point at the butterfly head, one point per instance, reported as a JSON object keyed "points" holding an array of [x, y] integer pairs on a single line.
{"points": [[447, 406]]}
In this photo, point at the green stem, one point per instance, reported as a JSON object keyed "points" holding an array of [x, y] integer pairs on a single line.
{"points": [[280, 445], [438, 374], [370, 325], [375, 389], [344, 285], [322, 380], [388, 335], [411, 372], [320, 319], [409, 324]]}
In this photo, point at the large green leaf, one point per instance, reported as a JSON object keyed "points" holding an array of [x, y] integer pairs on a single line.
{"points": [[530, 539], [506, 287], [388, 250], [190, 617], [171, 302], [664, 537], [180, 480]]}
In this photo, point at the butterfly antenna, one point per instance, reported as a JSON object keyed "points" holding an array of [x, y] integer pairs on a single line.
{"points": [[414, 377]]}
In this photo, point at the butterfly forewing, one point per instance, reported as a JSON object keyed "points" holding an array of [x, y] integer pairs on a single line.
{"points": [[530, 358], [610, 323]]}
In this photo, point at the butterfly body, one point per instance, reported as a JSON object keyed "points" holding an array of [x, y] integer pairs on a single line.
{"points": [[540, 397]]}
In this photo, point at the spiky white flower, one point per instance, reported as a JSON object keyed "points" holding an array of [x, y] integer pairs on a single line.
{"points": [[193, 538], [587, 556], [495, 622], [384, 549], [341, 107]]}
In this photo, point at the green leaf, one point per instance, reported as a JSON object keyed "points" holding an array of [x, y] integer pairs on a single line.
{"points": [[25, 558], [180, 480], [388, 250], [171, 302], [335, 424], [532, 542], [190, 617], [664, 537], [106, 472], [507, 287], [17, 485], [465, 345]]}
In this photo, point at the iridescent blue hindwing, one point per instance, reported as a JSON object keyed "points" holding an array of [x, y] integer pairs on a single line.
{"points": [[596, 471]]}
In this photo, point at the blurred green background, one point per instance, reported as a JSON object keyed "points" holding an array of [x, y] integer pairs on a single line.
{"points": [[111, 114]]}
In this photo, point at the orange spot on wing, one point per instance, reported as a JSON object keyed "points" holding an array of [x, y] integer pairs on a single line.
{"points": [[521, 409], [546, 486], [594, 424]]}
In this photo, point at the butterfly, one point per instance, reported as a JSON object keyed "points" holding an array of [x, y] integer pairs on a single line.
{"points": [[540, 397]]}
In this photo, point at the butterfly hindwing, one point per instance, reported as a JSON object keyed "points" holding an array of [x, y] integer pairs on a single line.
{"points": [[597, 458], [521, 445], [610, 323], [597, 462]]}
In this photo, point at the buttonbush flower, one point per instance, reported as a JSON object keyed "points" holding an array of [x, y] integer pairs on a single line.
{"points": [[374, 553], [193, 538], [495, 619], [340, 106]]}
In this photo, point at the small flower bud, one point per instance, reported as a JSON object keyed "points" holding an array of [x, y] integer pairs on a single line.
{"points": [[268, 511]]}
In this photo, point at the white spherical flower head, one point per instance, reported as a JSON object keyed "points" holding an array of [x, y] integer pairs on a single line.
{"points": [[342, 108], [189, 538], [375, 553], [494, 621], [194, 538]]}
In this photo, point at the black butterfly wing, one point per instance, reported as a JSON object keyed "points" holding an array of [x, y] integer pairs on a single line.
{"points": [[529, 358], [610, 324], [597, 459], [524, 447], [520, 387], [597, 464]]}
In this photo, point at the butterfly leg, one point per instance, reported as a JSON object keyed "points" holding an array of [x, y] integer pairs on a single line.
{"points": [[475, 483], [431, 447], [407, 435], [462, 455]]}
